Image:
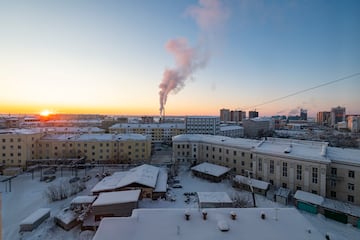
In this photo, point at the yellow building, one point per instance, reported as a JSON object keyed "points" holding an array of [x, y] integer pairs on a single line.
{"points": [[99, 148], [17, 146]]}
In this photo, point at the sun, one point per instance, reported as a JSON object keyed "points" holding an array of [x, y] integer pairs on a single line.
{"points": [[45, 113]]}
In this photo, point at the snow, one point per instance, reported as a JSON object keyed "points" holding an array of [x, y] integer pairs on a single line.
{"points": [[109, 198], [35, 216], [341, 206], [308, 197], [145, 175], [66, 216], [254, 182], [144, 224], [83, 200], [344, 155], [214, 197], [27, 196], [109, 182], [161, 182], [211, 169]]}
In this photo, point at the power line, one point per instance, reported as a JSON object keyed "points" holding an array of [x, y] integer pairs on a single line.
{"points": [[304, 90]]}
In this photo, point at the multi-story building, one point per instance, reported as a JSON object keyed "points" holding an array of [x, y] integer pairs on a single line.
{"points": [[323, 118], [102, 148], [234, 131], [295, 164], [256, 127], [353, 123], [303, 114], [202, 125], [224, 115], [159, 132], [337, 115], [253, 114], [18, 145]]}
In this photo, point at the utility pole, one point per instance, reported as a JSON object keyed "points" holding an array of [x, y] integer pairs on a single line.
{"points": [[251, 187]]}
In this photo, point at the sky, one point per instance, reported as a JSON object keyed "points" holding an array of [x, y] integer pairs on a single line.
{"points": [[189, 57]]}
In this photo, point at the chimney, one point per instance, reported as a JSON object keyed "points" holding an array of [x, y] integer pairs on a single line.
{"points": [[187, 215], [233, 215]]}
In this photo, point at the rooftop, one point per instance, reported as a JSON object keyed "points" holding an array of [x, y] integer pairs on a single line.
{"points": [[279, 224], [211, 169], [109, 198]]}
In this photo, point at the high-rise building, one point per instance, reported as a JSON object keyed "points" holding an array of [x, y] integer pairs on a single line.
{"points": [[303, 114], [224, 115], [337, 114], [323, 118], [253, 114]]}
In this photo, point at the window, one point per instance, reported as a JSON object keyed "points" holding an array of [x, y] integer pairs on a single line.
{"points": [[314, 175], [234, 153], [298, 172], [351, 187], [234, 161], [251, 156], [227, 151], [314, 191], [284, 169], [333, 171], [260, 165], [242, 163], [271, 166], [242, 154], [350, 198], [284, 185], [271, 182], [333, 194], [351, 174], [332, 183], [219, 150]]}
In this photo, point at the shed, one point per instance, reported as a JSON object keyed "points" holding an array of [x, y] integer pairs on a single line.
{"points": [[282, 195], [341, 211], [210, 171], [67, 219], [35, 219], [115, 204], [214, 200], [81, 202], [244, 183], [308, 202]]}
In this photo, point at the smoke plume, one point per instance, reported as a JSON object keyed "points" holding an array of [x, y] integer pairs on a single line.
{"points": [[209, 16]]}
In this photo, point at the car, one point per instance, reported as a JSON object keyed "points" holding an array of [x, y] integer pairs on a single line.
{"points": [[177, 186]]}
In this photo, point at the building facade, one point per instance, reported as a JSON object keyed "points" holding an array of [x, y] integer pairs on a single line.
{"points": [[293, 164], [337, 115], [202, 125], [323, 118], [353, 123], [159, 132]]}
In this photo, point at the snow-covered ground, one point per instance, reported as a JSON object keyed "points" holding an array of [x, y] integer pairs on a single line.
{"points": [[28, 195]]}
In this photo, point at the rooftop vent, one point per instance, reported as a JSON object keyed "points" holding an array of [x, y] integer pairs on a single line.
{"points": [[187, 215], [233, 215], [288, 149], [223, 225]]}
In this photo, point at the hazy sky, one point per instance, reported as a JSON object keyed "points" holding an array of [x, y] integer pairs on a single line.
{"points": [[111, 56]]}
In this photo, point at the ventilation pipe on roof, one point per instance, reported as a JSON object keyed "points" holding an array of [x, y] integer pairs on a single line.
{"points": [[187, 215], [233, 215], [204, 214]]}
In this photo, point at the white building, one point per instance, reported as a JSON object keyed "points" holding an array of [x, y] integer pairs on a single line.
{"points": [[202, 125], [353, 123]]}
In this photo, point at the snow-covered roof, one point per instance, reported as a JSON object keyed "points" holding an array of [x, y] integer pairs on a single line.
{"points": [[308, 197], [341, 207], [230, 127], [144, 175], [254, 182], [95, 137], [214, 197], [148, 125], [144, 224], [344, 155], [283, 192], [19, 131], [83, 200], [161, 183], [109, 198], [290, 148], [108, 183], [211, 169], [66, 216], [35, 216], [219, 140]]}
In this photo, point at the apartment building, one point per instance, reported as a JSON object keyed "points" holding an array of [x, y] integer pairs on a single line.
{"points": [[353, 123], [323, 118], [100, 148], [293, 164], [18, 145], [202, 125], [159, 132]]}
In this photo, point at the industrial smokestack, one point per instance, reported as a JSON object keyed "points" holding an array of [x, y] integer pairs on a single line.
{"points": [[209, 16]]}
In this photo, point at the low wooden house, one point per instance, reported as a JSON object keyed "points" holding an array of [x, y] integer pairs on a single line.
{"points": [[246, 183], [209, 171]]}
